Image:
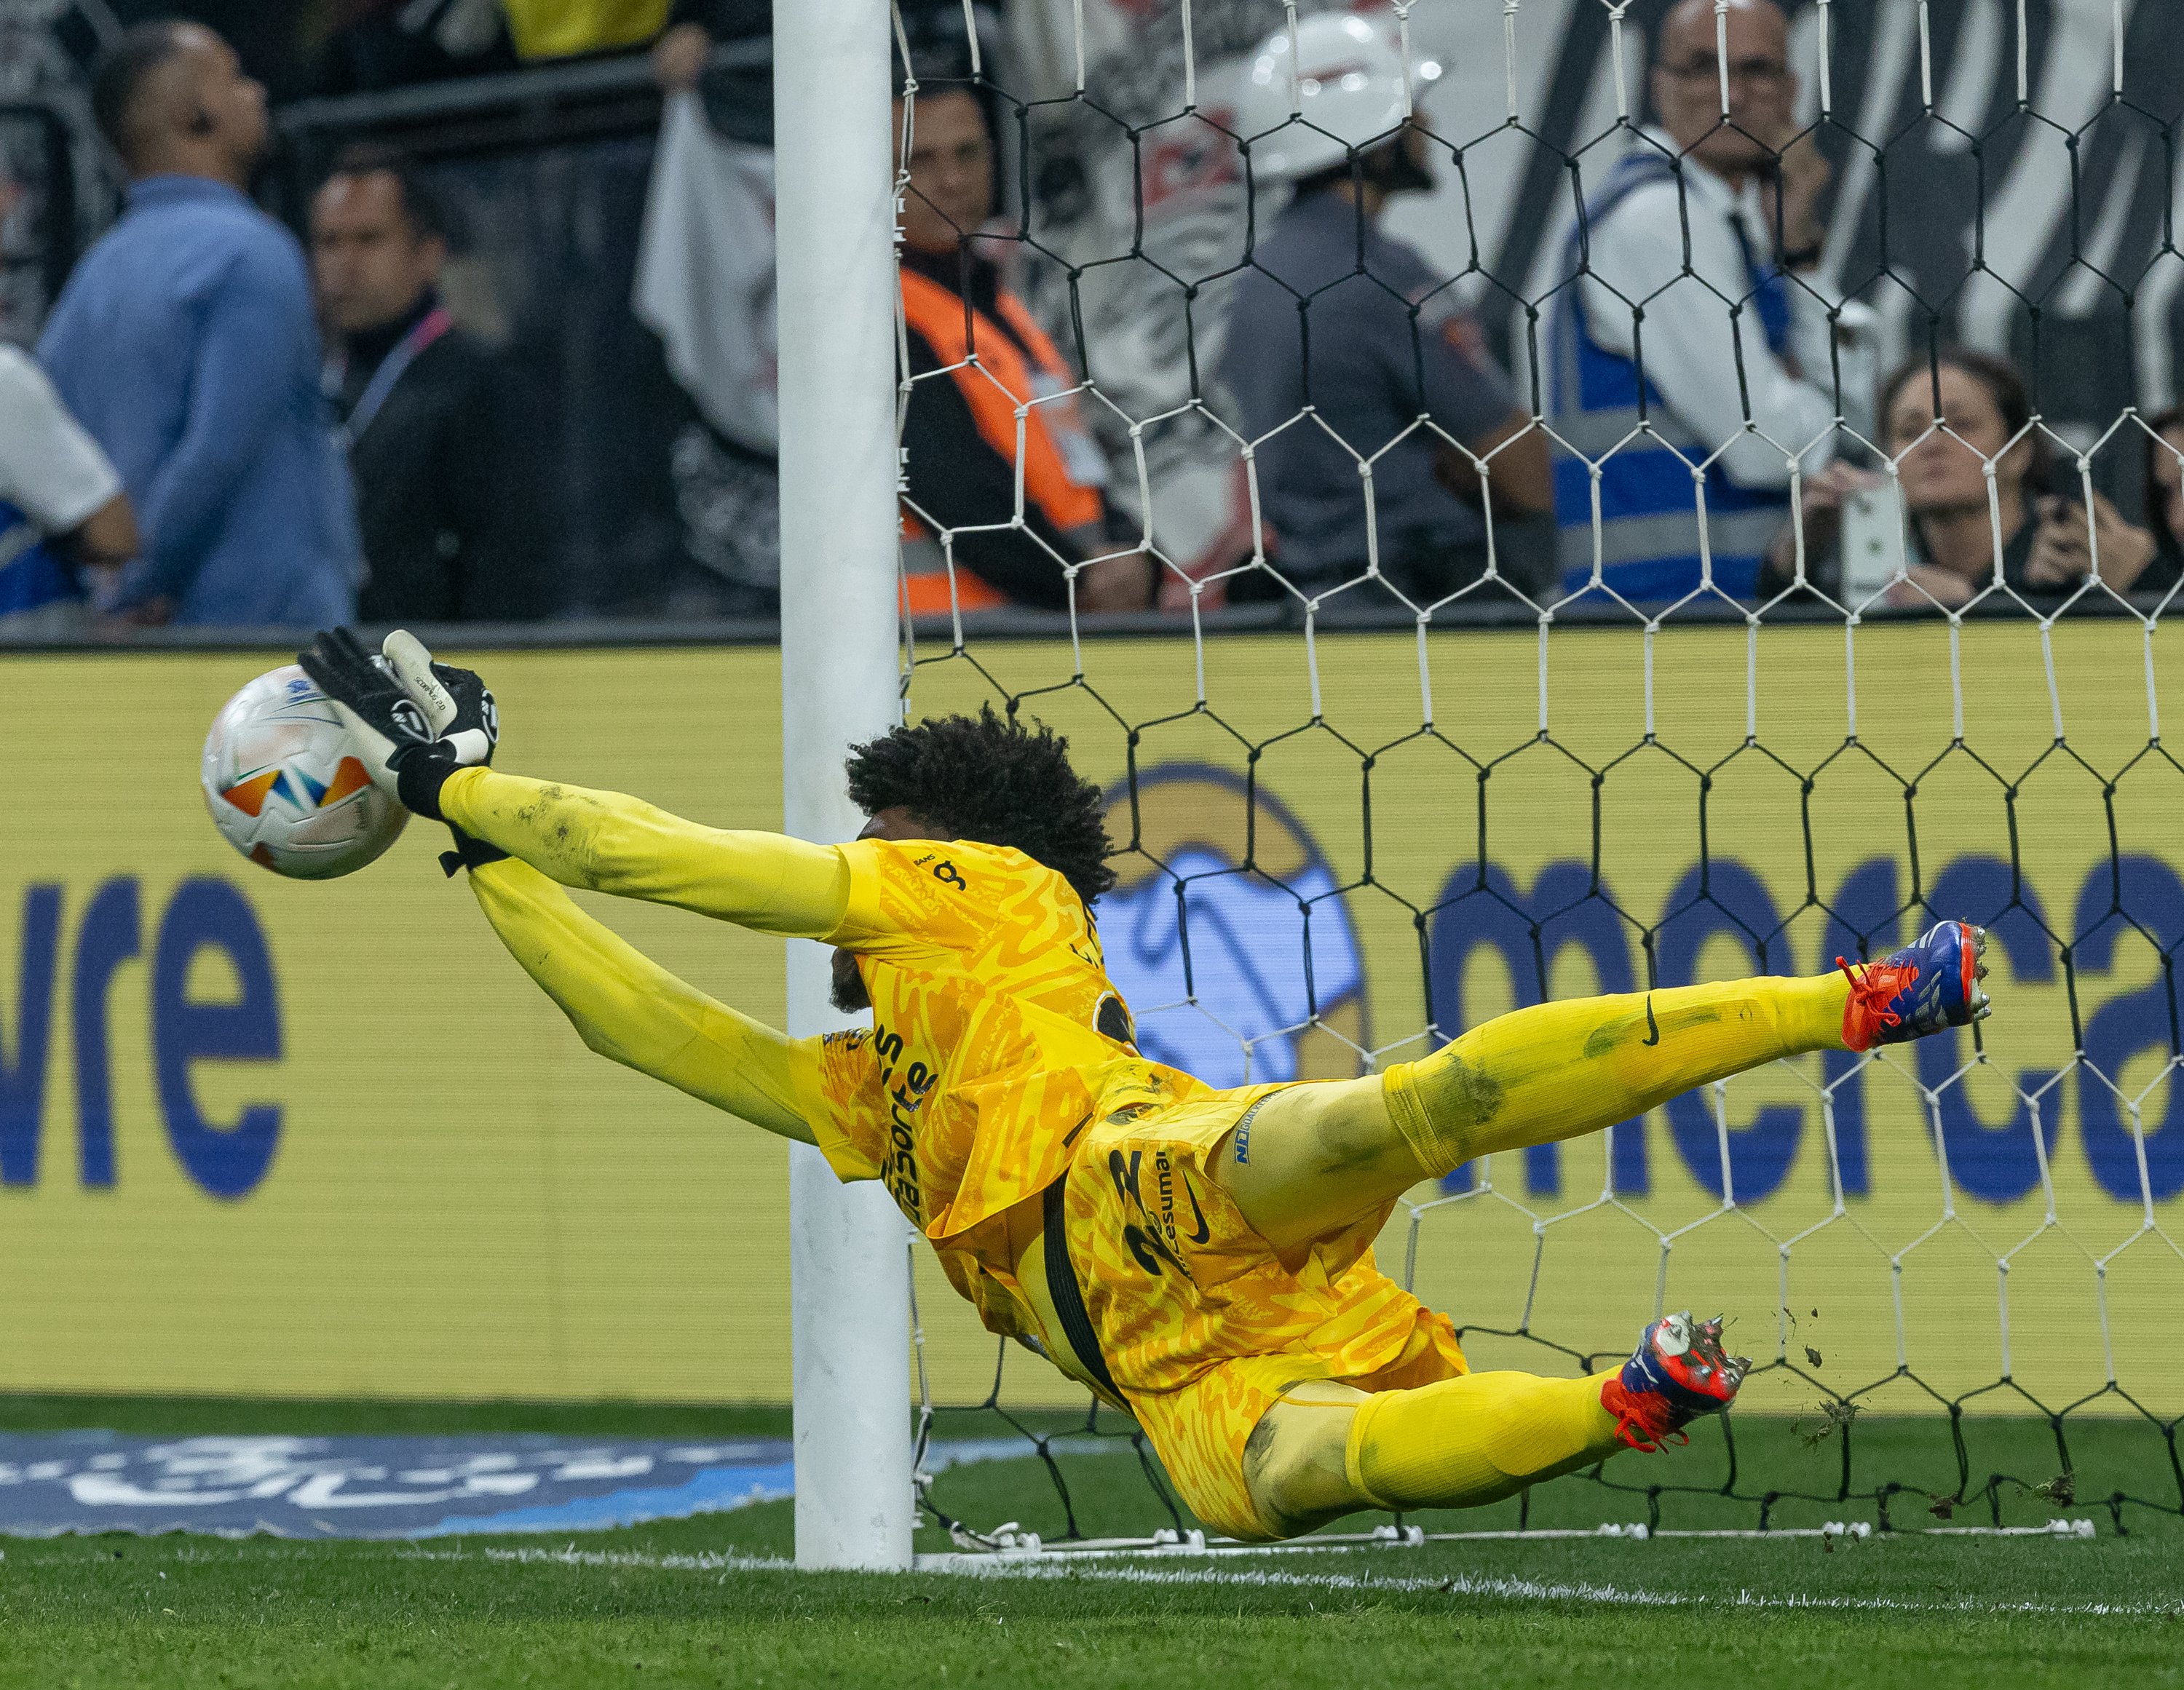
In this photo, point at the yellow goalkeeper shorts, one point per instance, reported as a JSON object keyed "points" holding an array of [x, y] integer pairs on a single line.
{"points": [[1165, 1300]]}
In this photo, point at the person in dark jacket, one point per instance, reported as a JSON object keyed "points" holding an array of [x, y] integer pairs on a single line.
{"points": [[421, 408]]}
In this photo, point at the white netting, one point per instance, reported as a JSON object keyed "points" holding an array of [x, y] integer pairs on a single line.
{"points": [[1362, 805]]}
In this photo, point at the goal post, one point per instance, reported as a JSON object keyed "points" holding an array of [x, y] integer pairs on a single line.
{"points": [[835, 287]]}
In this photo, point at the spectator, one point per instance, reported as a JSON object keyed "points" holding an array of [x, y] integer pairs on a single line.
{"points": [[959, 431], [1943, 421], [737, 98], [2165, 501], [704, 284], [1336, 315], [184, 342], [1724, 190], [420, 408], [63, 514], [377, 44], [2042, 540]]}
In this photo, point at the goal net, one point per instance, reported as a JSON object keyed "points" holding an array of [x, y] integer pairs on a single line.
{"points": [[1362, 805]]}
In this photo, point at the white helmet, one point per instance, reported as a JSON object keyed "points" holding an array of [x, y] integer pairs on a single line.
{"points": [[1345, 90]]}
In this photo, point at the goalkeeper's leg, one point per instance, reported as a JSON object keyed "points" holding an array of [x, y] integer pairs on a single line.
{"points": [[1313, 1159], [1327, 1448]]}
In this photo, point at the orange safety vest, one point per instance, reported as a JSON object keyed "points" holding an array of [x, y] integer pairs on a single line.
{"points": [[1001, 380]]}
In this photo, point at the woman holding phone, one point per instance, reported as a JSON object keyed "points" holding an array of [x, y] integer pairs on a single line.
{"points": [[1942, 422]]}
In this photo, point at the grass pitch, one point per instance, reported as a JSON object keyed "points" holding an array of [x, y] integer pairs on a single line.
{"points": [[699, 1602]]}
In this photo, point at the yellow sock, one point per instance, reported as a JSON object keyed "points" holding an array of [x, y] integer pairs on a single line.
{"points": [[1459, 1443], [1558, 1070]]}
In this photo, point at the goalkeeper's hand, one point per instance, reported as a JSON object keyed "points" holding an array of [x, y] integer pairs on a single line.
{"points": [[456, 700], [415, 722]]}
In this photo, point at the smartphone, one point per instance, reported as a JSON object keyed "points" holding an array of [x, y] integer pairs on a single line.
{"points": [[1873, 551]]}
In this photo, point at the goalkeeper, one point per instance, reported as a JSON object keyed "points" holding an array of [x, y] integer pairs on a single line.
{"points": [[1201, 1259]]}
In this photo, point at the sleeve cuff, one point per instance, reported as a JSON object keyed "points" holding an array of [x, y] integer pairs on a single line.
{"points": [[455, 792]]}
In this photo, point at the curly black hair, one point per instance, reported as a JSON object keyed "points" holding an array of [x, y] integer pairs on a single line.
{"points": [[991, 779]]}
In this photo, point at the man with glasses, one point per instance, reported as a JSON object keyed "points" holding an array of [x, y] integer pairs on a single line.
{"points": [[1724, 345]]}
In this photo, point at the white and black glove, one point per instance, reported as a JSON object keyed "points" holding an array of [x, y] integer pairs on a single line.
{"points": [[456, 701], [415, 722]]}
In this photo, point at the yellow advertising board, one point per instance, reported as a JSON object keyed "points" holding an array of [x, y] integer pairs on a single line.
{"points": [[271, 1137]]}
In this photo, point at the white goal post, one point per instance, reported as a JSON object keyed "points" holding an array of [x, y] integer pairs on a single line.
{"points": [[835, 284]]}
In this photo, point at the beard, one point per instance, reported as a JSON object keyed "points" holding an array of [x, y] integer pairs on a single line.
{"points": [[848, 994]]}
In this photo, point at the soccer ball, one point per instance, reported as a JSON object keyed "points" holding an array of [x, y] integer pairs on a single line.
{"points": [[285, 786]]}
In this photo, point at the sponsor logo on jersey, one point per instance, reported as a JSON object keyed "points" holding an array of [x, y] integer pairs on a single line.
{"points": [[899, 1173]]}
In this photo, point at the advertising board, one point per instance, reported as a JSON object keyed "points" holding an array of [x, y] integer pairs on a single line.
{"points": [[258, 1137]]}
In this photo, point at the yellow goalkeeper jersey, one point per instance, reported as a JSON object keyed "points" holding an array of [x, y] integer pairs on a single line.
{"points": [[985, 1052], [997, 1037]]}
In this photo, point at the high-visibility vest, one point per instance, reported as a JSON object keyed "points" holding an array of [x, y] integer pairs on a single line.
{"points": [[1649, 523], [1063, 471]]}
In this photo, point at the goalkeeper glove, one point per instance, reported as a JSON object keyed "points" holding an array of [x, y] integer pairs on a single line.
{"points": [[456, 701], [459, 706], [385, 700]]}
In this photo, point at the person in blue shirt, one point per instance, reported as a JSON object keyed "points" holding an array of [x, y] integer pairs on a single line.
{"points": [[65, 522], [184, 343]]}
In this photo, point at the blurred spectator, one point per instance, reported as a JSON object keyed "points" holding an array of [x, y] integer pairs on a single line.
{"points": [[1689, 242], [959, 432], [63, 514], [2164, 501], [738, 99], [375, 44], [1335, 315], [1943, 422], [421, 411], [704, 285], [184, 343]]}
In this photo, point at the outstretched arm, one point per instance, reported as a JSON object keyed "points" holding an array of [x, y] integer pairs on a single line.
{"points": [[628, 1007], [605, 842], [426, 732]]}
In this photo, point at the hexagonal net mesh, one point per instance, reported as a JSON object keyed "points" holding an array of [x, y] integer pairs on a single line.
{"points": [[1523, 499]]}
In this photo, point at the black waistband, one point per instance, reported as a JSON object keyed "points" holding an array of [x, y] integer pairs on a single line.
{"points": [[1069, 1296]]}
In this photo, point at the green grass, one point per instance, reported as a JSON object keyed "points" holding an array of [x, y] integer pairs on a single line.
{"points": [[680, 1602]]}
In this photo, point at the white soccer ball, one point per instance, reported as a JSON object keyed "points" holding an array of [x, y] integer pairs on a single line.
{"points": [[284, 785]]}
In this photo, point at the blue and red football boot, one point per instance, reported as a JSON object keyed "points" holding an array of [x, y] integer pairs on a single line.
{"points": [[1931, 985], [1678, 1373]]}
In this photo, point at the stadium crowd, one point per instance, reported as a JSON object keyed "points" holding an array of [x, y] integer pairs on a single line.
{"points": [[234, 423]]}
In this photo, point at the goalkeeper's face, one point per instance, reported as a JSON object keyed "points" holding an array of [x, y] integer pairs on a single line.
{"points": [[895, 822]]}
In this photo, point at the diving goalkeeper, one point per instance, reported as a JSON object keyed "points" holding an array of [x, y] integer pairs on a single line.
{"points": [[1201, 1259]]}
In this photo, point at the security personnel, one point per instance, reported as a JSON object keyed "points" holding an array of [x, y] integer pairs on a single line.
{"points": [[1336, 315], [1687, 222], [975, 356]]}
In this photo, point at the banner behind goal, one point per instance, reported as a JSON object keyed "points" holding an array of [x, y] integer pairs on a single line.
{"points": [[1359, 807]]}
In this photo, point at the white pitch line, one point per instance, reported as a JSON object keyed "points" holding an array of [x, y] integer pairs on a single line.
{"points": [[1455, 1584], [1535, 1590]]}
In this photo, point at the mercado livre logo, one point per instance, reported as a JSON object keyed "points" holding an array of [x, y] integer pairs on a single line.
{"points": [[201, 915], [1242, 963], [2126, 921], [1239, 971]]}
